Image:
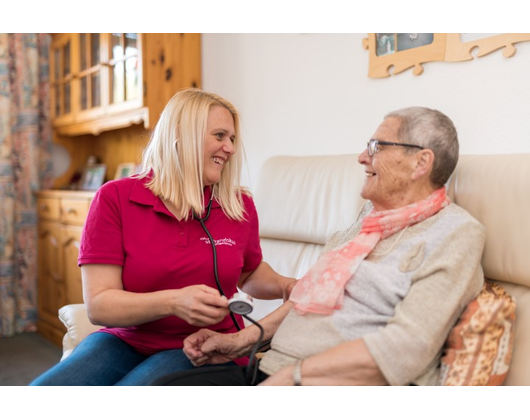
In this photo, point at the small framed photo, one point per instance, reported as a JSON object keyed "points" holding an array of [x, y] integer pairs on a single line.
{"points": [[92, 177], [125, 169]]}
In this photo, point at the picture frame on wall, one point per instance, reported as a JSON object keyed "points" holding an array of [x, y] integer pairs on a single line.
{"points": [[393, 53], [93, 177], [124, 170]]}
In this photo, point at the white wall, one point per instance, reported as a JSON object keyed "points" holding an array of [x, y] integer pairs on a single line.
{"points": [[307, 94]]}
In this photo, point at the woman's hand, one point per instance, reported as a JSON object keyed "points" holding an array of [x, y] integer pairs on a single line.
{"points": [[200, 305], [108, 304], [210, 347], [288, 288]]}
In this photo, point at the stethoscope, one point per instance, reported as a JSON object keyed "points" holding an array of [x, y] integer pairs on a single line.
{"points": [[240, 304], [214, 251]]}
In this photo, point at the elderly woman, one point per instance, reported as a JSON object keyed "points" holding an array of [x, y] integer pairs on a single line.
{"points": [[378, 305]]}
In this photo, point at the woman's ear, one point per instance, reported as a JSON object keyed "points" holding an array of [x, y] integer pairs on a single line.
{"points": [[424, 163]]}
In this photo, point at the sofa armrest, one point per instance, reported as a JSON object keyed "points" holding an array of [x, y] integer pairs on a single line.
{"points": [[75, 319]]}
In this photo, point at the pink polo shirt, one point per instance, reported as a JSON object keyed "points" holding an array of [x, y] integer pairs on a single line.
{"points": [[128, 225]]}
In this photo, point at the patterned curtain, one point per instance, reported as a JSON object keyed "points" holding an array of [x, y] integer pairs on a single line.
{"points": [[25, 167]]}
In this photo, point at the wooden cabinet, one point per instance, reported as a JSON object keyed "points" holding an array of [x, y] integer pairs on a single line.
{"points": [[50, 282], [107, 92], [61, 218], [103, 82]]}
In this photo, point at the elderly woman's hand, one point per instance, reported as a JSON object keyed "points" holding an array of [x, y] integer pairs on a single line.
{"points": [[210, 347]]}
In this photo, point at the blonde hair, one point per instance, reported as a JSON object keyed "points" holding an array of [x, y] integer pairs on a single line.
{"points": [[174, 156]]}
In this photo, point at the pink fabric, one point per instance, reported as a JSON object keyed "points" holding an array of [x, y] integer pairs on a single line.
{"points": [[321, 289]]}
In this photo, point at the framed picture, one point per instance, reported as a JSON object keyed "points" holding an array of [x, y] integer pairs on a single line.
{"points": [[124, 170], [92, 177], [391, 54], [400, 52]]}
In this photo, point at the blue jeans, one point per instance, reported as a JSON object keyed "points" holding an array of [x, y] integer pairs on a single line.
{"points": [[102, 359]]}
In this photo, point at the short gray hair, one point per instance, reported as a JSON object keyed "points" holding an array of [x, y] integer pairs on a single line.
{"points": [[432, 130]]}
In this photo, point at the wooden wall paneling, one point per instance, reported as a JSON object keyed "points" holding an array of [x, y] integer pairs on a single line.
{"points": [[172, 62]]}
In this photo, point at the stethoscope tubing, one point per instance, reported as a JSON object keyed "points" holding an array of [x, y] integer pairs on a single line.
{"points": [[214, 251], [252, 370]]}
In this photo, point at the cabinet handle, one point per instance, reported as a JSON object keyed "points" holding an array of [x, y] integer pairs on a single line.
{"points": [[44, 207], [57, 278], [71, 211]]}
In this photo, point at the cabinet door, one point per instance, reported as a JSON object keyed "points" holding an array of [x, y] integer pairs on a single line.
{"points": [[125, 86], [104, 82], [51, 292], [61, 78], [71, 238], [90, 77]]}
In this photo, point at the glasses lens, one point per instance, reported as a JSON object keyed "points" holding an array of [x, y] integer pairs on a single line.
{"points": [[372, 144]]}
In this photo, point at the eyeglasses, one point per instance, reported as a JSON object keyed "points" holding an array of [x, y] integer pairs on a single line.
{"points": [[372, 149]]}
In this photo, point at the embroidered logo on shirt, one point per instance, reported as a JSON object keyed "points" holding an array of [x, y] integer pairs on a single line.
{"points": [[225, 241]]}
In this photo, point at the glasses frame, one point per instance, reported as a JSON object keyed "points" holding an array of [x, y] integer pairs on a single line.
{"points": [[372, 150]]}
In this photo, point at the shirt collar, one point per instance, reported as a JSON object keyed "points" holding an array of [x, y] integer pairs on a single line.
{"points": [[142, 195]]}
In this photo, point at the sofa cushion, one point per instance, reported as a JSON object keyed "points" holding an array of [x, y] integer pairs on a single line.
{"points": [[479, 347], [75, 319]]}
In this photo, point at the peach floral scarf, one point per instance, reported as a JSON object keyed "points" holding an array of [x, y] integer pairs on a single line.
{"points": [[321, 289]]}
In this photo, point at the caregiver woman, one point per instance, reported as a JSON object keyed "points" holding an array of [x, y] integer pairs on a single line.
{"points": [[147, 262]]}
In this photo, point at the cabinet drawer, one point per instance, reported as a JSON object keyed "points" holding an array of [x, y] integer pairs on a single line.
{"points": [[48, 208], [74, 211]]}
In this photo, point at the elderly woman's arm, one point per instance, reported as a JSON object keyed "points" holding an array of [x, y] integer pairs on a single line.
{"points": [[210, 347], [349, 363]]}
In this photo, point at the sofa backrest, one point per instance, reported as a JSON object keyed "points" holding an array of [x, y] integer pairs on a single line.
{"points": [[301, 201], [495, 189]]}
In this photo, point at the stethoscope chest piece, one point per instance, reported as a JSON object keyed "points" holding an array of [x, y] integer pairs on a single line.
{"points": [[241, 304]]}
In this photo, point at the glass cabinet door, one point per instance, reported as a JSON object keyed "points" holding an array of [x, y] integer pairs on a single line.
{"points": [[97, 82], [125, 68], [90, 70], [61, 78]]}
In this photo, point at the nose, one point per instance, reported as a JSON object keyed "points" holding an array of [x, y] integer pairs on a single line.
{"points": [[363, 158], [228, 147]]}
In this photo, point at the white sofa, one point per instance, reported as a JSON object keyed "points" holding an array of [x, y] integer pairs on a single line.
{"points": [[301, 201]]}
